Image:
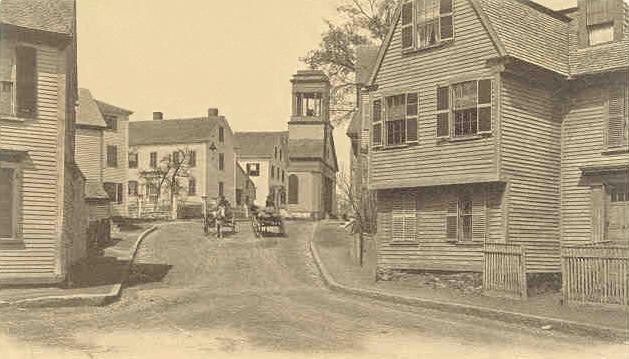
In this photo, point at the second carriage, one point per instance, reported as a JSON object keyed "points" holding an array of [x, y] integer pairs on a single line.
{"points": [[266, 221]]}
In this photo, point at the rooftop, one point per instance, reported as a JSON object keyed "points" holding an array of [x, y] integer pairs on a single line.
{"points": [[259, 144], [56, 16], [176, 131]]}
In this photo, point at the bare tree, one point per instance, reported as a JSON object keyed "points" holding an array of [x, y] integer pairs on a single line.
{"points": [[360, 202]]}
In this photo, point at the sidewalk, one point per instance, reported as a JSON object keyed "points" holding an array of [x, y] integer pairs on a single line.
{"points": [[331, 247], [98, 283]]}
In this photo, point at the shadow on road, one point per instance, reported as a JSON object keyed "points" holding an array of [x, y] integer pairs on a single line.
{"points": [[99, 271], [143, 273]]}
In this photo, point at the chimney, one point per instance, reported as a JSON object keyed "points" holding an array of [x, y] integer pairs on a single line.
{"points": [[212, 112], [158, 116]]}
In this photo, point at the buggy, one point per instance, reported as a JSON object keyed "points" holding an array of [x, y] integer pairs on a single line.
{"points": [[263, 220], [219, 218]]}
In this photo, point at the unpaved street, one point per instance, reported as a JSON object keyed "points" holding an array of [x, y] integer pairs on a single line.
{"points": [[192, 296]]}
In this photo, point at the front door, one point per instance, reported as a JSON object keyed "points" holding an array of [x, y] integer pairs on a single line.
{"points": [[618, 213]]}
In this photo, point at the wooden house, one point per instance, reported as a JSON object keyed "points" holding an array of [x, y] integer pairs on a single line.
{"points": [[486, 115], [245, 188], [209, 161], [42, 215], [311, 152], [264, 156]]}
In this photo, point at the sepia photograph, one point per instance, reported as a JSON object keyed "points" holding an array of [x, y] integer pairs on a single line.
{"points": [[314, 179]]}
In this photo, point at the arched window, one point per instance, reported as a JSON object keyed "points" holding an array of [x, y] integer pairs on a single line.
{"points": [[293, 189]]}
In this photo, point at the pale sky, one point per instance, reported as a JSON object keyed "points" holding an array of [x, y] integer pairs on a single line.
{"points": [[181, 57]]}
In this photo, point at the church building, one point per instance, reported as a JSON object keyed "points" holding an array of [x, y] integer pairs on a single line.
{"points": [[312, 157]]}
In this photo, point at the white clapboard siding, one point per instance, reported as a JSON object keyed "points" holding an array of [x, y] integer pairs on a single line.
{"points": [[89, 148], [422, 72], [531, 156], [40, 179], [118, 174]]}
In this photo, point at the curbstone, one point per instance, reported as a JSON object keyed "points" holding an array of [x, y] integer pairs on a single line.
{"points": [[87, 300], [561, 325]]}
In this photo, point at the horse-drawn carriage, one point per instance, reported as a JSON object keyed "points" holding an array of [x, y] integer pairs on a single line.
{"points": [[264, 220], [219, 218]]}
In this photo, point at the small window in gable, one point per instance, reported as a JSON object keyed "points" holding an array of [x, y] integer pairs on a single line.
{"points": [[426, 23]]}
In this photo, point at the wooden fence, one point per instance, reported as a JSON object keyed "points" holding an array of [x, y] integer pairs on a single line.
{"points": [[504, 271], [595, 275]]}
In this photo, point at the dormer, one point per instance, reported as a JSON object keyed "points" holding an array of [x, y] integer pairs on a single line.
{"points": [[600, 21], [311, 96]]}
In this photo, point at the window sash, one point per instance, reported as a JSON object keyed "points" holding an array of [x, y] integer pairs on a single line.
{"points": [[221, 161], [112, 156], [465, 109], [26, 81], [133, 160], [401, 115]]}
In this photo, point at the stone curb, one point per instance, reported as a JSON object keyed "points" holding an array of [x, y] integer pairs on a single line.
{"points": [[84, 300], [534, 321]]}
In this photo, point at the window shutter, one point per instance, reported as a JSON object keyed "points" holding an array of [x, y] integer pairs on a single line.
{"points": [[26, 81], [412, 111], [119, 193], [484, 106], [410, 220], [599, 11], [478, 216], [407, 25], [364, 133], [446, 28], [376, 116], [452, 224], [617, 122], [397, 218], [443, 112]]}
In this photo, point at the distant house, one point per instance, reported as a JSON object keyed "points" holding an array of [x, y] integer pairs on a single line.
{"points": [[114, 162], [89, 153], [42, 218], [203, 145], [499, 122], [245, 188], [264, 157], [312, 155]]}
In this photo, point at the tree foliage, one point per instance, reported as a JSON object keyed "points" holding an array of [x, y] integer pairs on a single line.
{"points": [[168, 174], [362, 22]]}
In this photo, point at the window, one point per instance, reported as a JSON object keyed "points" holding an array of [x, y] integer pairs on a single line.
{"points": [[9, 199], [465, 217], [280, 154], [426, 23], [275, 149], [114, 190], [133, 160], [176, 157], [283, 176], [221, 188], [308, 104], [401, 119], [403, 217], [618, 195], [153, 160], [600, 21], [293, 189], [133, 188], [617, 118], [376, 115], [221, 134], [192, 159], [470, 113], [26, 81], [112, 156], [221, 161], [112, 122], [253, 169], [272, 171], [192, 187]]}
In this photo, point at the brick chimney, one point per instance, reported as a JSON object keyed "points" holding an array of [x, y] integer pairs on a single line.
{"points": [[212, 112], [158, 116]]}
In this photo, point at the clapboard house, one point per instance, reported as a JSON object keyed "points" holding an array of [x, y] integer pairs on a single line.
{"points": [[497, 121], [42, 216]]}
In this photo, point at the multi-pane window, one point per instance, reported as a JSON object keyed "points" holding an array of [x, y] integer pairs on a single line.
{"points": [[221, 134], [192, 158], [221, 188], [112, 122], [26, 81], [114, 190], [308, 104], [617, 135], [426, 23], [133, 160], [272, 171], [464, 109], [221, 161], [401, 119], [112, 156], [133, 188], [275, 149], [465, 217], [153, 159], [600, 21], [192, 187], [253, 169]]}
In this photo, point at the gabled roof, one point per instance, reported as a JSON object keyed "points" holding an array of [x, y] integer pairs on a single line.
{"points": [[366, 57], [179, 131], [107, 108], [354, 127], [56, 16], [258, 144], [95, 190], [88, 113]]}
